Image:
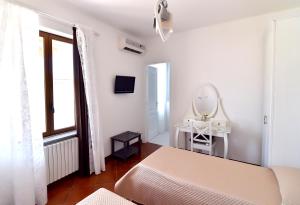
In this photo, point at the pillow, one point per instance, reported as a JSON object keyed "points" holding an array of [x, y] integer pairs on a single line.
{"points": [[289, 184]]}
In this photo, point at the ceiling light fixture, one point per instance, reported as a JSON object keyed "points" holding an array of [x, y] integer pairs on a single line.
{"points": [[163, 23]]}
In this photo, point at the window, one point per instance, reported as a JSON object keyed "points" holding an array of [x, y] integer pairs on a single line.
{"points": [[56, 57]]}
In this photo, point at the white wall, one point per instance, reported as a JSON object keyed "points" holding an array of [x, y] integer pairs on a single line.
{"points": [[231, 56], [119, 112]]}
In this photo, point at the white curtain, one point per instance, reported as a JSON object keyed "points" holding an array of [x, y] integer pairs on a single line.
{"points": [[22, 165], [85, 41]]}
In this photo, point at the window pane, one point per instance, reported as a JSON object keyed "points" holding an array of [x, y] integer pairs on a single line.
{"points": [[63, 85], [41, 66]]}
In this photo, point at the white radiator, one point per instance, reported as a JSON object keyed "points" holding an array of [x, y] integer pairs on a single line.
{"points": [[61, 159]]}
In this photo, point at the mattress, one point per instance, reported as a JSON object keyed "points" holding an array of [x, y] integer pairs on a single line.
{"points": [[173, 176]]}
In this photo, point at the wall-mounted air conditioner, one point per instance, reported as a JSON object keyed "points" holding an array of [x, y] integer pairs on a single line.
{"points": [[129, 45]]}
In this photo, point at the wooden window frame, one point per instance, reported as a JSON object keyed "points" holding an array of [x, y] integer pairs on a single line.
{"points": [[48, 75]]}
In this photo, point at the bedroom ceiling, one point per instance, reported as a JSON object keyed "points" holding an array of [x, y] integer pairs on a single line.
{"points": [[136, 16]]}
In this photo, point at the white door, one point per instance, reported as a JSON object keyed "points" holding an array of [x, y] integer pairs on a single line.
{"points": [[285, 130], [152, 103], [268, 86]]}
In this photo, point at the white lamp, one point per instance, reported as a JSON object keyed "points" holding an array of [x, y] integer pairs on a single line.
{"points": [[163, 23]]}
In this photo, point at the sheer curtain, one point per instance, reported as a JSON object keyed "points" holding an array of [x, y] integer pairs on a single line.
{"points": [[85, 41], [22, 166]]}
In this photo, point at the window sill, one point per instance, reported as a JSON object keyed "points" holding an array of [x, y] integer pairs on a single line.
{"points": [[59, 137]]}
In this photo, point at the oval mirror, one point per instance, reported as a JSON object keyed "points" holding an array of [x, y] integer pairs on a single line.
{"points": [[205, 102]]}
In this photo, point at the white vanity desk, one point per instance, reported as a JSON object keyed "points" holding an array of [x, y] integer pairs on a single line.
{"points": [[216, 132], [204, 120]]}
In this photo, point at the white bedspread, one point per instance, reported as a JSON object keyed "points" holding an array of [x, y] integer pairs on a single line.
{"points": [[104, 197]]}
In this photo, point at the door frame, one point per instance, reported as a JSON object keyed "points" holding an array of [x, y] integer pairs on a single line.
{"points": [[146, 120]]}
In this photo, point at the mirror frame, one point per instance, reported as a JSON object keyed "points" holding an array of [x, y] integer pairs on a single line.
{"points": [[213, 113]]}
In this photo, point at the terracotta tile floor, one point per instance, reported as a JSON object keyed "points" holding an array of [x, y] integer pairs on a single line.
{"points": [[74, 188]]}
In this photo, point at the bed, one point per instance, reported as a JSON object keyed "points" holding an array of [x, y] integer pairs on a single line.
{"points": [[104, 197], [173, 176]]}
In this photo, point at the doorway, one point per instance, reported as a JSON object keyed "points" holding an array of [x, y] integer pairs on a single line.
{"points": [[158, 104]]}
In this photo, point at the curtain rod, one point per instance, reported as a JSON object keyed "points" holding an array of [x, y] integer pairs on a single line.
{"points": [[60, 20]]}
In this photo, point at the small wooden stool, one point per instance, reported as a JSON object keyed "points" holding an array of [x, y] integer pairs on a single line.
{"points": [[104, 197]]}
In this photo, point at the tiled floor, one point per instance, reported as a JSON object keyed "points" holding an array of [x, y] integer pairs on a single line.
{"points": [[74, 188], [162, 139]]}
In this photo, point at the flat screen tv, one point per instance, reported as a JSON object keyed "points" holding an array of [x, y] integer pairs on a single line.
{"points": [[124, 84]]}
